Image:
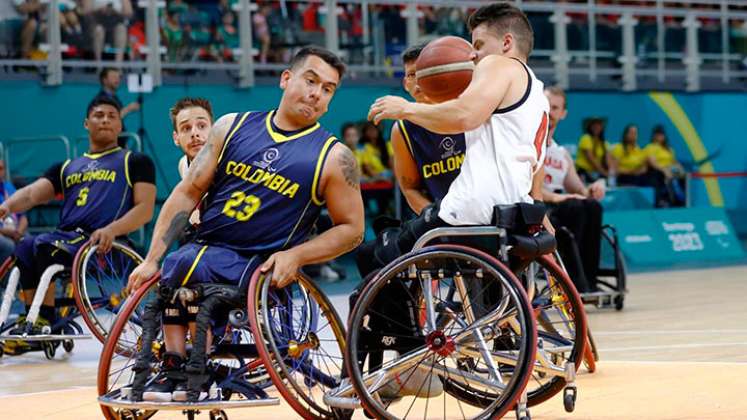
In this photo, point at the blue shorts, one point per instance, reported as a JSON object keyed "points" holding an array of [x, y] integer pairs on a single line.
{"points": [[61, 245], [198, 264]]}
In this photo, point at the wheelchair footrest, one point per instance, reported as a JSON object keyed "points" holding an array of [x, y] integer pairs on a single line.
{"points": [[46, 337], [175, 405]]}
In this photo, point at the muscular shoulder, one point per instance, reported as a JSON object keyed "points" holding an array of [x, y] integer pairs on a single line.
{"points": [[493, 63], [341, 162], [222, 125]]}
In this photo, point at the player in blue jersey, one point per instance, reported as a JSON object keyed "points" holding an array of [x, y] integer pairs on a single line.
{"points": [[425, 164], [267, 175], [108, 192]]}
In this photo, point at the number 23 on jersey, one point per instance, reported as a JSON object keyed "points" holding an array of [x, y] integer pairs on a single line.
{"points": [[251, 204]]}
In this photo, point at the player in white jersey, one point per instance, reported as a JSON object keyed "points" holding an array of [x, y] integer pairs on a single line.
{"points": [[504, 116], [573, 205]]}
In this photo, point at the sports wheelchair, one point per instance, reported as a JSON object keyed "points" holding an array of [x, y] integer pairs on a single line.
{"points": [[91, 288], [290, 337], [455, 323]]}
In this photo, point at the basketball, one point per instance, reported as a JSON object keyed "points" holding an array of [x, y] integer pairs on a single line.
{"points": [[444, 68]]}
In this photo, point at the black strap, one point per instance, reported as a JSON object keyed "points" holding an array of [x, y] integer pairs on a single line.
{"points": [[523, 98]]}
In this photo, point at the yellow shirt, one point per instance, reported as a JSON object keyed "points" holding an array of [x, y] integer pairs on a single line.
{"points": [[631, 161], [369, 160], [587, 143], [662, 156]]}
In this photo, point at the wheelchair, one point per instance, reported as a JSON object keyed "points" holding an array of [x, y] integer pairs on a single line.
{"points": [[611, 274], [90, 288], [300, 350], [496, 338]]}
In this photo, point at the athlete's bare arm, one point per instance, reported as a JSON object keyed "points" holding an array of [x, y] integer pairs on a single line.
{"points": [[175, 212], [38, 192], [496, 82], [340, 187], [407, 173], [144, 199]]}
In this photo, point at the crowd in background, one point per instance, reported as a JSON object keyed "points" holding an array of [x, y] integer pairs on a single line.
{"points": [[207, 30]]}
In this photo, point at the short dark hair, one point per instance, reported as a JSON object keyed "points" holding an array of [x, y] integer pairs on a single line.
{"points": [[347, 126], [105, 72], [412, 53], [102, 100], [505, 18], [328, 56], [189, 102]]}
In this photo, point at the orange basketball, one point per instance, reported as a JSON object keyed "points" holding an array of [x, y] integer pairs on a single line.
{"points": [[444, 68]]}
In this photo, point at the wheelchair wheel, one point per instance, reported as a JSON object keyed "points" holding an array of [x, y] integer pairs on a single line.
{"points": [[121, 346], [98, 282], [300, 339], [561, 330], [443, 326]]}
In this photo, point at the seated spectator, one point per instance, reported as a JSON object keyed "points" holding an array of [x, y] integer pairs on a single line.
{"points": [[374, 154], [11, 26], [262, 31], [661, 159], [14, 226], [173, 37], [227, 36], [33, 24], [574, 207], [592, 160], [109, 22], [369, 160], [630, 164]]}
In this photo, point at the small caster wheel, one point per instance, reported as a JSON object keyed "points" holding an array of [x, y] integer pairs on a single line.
{"points": [[342, 413], [68, 345], [46, 329], [218, 415], [569, 399], [49, 349], [619, 302]]}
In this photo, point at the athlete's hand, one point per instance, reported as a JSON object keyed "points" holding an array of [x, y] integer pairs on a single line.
{"points": [[140, 275], [597, 190], [4, 211], [387, 108], [103, 238], [284, 266]]}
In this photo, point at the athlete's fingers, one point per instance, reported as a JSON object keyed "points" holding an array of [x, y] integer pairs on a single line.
{"points": [[268, 264]]}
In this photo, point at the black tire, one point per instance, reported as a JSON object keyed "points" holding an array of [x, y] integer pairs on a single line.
{"points": [[540, 389], [453, 259], [68, 345]]}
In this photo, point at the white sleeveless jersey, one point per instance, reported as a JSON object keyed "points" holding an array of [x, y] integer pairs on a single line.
{"points": [[557, 164], [502, 156]]}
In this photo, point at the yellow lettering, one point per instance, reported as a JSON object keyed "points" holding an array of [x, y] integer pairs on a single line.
{"points": [[239, 168], [276, 183], [292, 190], [267, 178], [426, 171], [460, 160], [246, 172], [256, 176], [229, 167]]}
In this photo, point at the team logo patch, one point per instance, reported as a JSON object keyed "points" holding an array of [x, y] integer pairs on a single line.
{"points": [[268, 156]]}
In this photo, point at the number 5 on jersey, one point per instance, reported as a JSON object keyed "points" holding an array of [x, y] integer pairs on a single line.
{"points": [[82, 197], [251, 205]]}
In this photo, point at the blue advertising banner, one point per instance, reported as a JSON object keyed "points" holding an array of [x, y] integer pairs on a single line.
{"points": [[670, 236]]}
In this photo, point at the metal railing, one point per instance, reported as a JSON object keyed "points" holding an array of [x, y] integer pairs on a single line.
{"points": [[560, 62]]}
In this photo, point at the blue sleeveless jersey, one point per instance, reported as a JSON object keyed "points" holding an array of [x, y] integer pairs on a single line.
{"points": [[265, 196], [96, 188], [438, 157]]}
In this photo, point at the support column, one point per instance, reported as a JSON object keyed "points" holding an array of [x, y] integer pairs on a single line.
{"points": [[561, 57], [54, 55]]}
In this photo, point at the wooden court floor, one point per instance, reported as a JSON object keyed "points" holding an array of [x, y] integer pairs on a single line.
{"points": [[677, 351]]}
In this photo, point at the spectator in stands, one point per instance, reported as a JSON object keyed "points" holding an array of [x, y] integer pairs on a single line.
{"points": [[227, 35], [661, 159], [262, 31], [173, 37], [630, 164], [575, 209], [109, 22], [374, 153], [14, 226], [592, 160], [31, 10], [11, 26]]}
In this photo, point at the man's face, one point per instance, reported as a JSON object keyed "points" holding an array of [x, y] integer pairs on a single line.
{"points": [[112, 80], [192, 129], [410, 83], [103, 124], [309, 88], [486, 42], [557, 111]]}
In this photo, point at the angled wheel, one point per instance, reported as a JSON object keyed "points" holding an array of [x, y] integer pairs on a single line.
{"points": [[98, 283], [561, 330], [447, 326], [301, 340]]}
